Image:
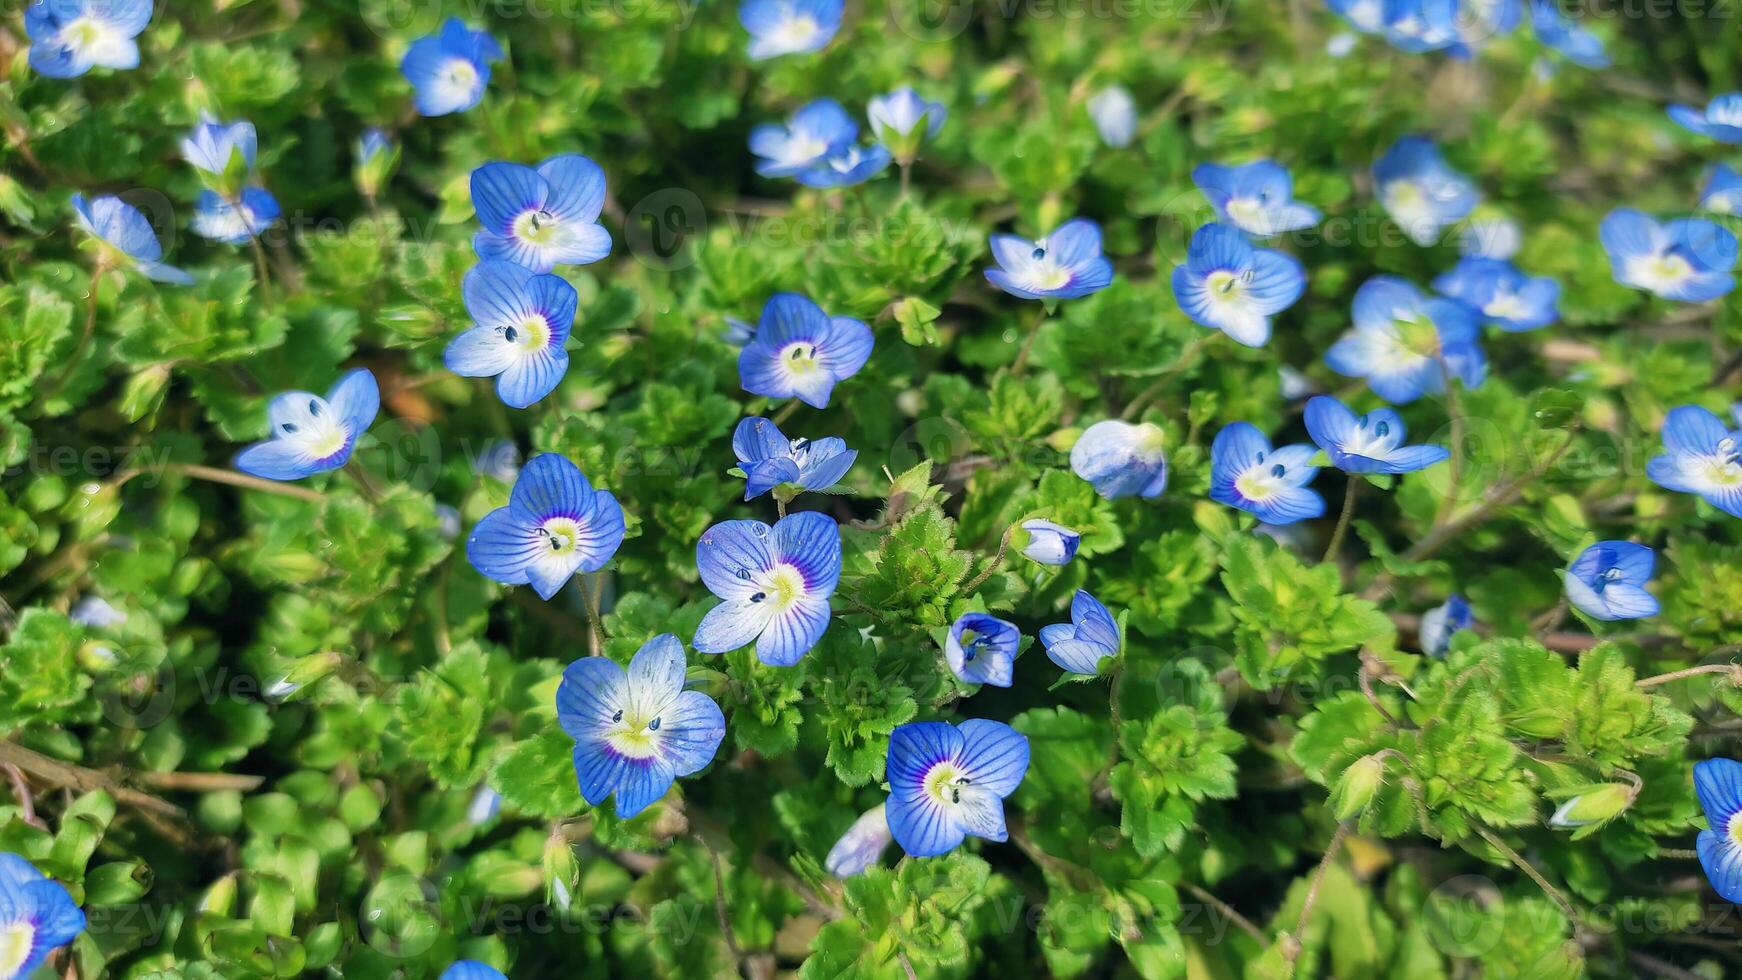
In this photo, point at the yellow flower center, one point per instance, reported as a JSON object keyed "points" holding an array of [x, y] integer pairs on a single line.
{"points": [[530, 334], [1734, 831], [560, 534], [942, 783], [15, 943], [539, 227]]}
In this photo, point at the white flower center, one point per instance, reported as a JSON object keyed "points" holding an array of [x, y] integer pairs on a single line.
{"points": [[1727, 116], [458, 78], [15, 941], [560, 534], [1657, 272], [529, 335], [780, 589], [1506, 305], [795, 32], [802, 148], [1260, 480], [634, 736], [1249, 213], [800, 357], [537, 226], [86, 33], [1734, 831]]}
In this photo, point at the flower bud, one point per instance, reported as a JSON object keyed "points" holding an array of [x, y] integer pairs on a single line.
{"points": [[1597, 803], [1358, 785], [1049, 543]]}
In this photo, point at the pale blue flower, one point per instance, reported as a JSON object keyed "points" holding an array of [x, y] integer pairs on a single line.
{"points": [[1702, 457], [1115, 115], [1049, 543], [126, 237], [1090, 637], [541, 218], [1227, 284], [780, 27], [1503, 295], [800, 351], [1579, 45], [37, 916], [1405, 344], [1607, 581], [221, 149], [1257, 197], [70, 37], [1063, 265], [1718, 784], [1723, 192], [449, 70], [555, 525], [1245, 472], [1721, 119], [815, 131], [521, 320], [903, 120], [981, 649], [234, 222], [774, 585], [861, 846], [1371, 443], [845, 167], [1122, 459], [1688, 260], [768, 458], [1420, 191], [1441, 622], [311, 434], [947, 782]]}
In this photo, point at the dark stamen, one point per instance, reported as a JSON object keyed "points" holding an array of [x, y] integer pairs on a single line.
{"points": [[758, 597]]}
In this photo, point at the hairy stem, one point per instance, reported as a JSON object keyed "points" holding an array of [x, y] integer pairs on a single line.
{"points": [[1354, 486], [228, 477]]}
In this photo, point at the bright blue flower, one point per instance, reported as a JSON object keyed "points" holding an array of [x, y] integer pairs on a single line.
{"points": [[947, 782], [1122, 459], [541, 218], [1503, 295], [738, 332], [1721, 119], [555, 525], [70, 37], [780, 27], [126, 237], [1404, 344], [234, 222], [1688, 259], [1419, 26], [1366, 16], [1723, 193], [815, 131], [221, 149], [37, 916], [471, 970], [774, 584], [448, 71], [1491, 238], [1718, 784], [1062, 265], [1702, 457], [1049, 543], [636, 731], [769, 458], [1560, 33], [861, 846], [1227, 284], [800, 351], [1257, 198], [1080, 645], [981, 649], [1115, 116], [521, 320], [1371, 443], [1420, 191], [311, 434], [903, 119], [1271, 483], [1439, 623], [1607, 581], [845, 167]]}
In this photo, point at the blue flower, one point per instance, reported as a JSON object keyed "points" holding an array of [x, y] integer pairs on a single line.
{"points": [[845, 167], [1091, 636], [1723, 193], [1580, 46], [234, 222], [1049, 543], [1607, 581], [375, 159], [636, 731], [1115, 116], [521, 321], [1688, 260], [1062, 265], [311, 434], [95, 612], [37, 916], [861, 846], [903, 119], [738, 332], [70, 37], [1419, 26], [541, 218], [815, 131], [1366, 16], [775, 585], [1420, 191], [780, 27], [1702, 457], [1718, 784], [1257, 198], [1122, 459], [1404, 344], [1441, 622], [1371, 443], [221, 149], [555, 525], [1228, 285], [947, 782], [471, 970], [1246, 473], [981, 649], [448, 71], [1721, 119], [1505, 296], [126, 237], [800, 351], [486, 804], [769, 458]]}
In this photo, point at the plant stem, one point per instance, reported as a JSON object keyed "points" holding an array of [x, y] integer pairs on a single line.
{"points": [[228, 477], [1291, 951], [90, 329], [1676, 675], [1455, 411], [906, 175], [1227, 910], [997, 560], [591, 586], [261, 271], [1551, 891], [1354, 485], [786, 412], [1187, 357], [1021, 364]]}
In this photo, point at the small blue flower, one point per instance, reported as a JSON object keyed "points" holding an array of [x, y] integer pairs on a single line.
{"points": [[541, 218], [234, 222], [1723, 193], [1505, 296], [95, 612], [780, 27], [1687, 260], [1115, 116], [636, 731], [1257, 198], [1271, 483], [1063, 265], [1580, 46], [1491, 238], [448, 71], [800, 351], [126, 237], [1718, 784], [471, 970], [1122, 459], [1419, 26], [221, 149], [774, 584], [1439, 623], [1701, 457], [1091, 636], [1366, 16], [903, 120], [37, 916], [486, 804], [521, 322], [845, 167], [375, 158], [861, 846], [70, 37], [815, 131], [311, 434], [738, 332], [981, 649], [555, 525], [1420, 191], [1371, 443], [1721, 119], [1607, 581], [769, 458], [1405, 344], [947, 782], [1227, 284], [1049, 543]]}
